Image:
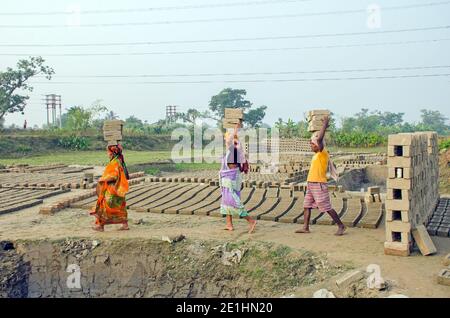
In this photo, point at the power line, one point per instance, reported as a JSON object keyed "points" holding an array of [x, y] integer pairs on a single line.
{"points": [[262, 73], [232, 50], [232, 19], [261, 80], [142, 10], [285, 37]]}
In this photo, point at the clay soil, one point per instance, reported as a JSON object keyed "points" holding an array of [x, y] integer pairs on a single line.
{"points": [[414, 276]]}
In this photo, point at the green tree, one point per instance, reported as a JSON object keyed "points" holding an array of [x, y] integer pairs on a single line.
{"points": [[254, 117], [302, 129], [14, 80], [290, 129], [366, 121], [279, 124], [348, 124], [388, 119], [190, 116], [78, 118], [235, 98], [134, 124], [434, 120]]}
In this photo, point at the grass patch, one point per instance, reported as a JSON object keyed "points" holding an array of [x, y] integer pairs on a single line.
{"points": [[88, 158], [153, 171], [379, 149], [444, 144], [157, 169]]}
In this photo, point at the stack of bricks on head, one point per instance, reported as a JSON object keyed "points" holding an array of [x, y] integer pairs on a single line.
{"points": [[315, 120], [233, 116], [112, 131], [412, 191]]}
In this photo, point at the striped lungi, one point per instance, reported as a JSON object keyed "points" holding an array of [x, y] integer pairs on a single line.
{"points": [[317, 196]]}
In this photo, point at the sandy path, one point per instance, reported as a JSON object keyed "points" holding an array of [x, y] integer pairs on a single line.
{"points": [[414, 275]]}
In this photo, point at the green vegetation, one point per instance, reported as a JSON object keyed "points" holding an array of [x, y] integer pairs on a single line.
{"points": [[358, 139], [156, 169], [20, 144], [367, 129], [358, 150], [12, 81], [88, 158], [81, 127], [74, 142], [227, 98], [444, 144]]}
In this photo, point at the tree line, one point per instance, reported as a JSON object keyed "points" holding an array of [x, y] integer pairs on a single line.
{"points": [[368, 128], [363, 129]]}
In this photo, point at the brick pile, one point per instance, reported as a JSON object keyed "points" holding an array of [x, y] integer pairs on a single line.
{"points": [[315, 119], [112, 131], [412, 188], [232, 117]]}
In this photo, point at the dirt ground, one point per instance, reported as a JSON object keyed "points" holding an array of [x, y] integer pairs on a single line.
{"points": [[413, 276]]}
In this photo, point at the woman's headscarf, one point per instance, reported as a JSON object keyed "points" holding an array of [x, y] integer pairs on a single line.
{"points": [[117, 153]]}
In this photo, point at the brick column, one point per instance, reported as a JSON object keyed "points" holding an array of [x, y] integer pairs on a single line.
{"points": [[412, 187]]}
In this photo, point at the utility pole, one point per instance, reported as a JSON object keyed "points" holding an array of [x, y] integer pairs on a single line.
{"points": [[171, 113], [52, 102]]}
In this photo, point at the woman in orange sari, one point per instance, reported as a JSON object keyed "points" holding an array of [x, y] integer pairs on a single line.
{"points": [[111, 207]]}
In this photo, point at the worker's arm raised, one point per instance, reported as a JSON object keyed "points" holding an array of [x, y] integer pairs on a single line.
{"points": [[326, 122]]}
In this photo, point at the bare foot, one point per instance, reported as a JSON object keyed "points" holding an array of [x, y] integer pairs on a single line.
{"points": [[124, 227], [252, 226], [98, 228], [340, 231], [229, 228], [302, 231]]}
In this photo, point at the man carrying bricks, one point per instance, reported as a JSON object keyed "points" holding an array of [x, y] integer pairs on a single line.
{"points": [[317, 195]]}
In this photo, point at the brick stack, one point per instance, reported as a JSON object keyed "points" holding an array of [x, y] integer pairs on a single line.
{"points": [[315, 119], [112, 131], [233, 116], [412, 191], [284, 145]]}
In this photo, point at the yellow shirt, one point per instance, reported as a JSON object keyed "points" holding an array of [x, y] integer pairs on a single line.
{"points": [[319, 166]]}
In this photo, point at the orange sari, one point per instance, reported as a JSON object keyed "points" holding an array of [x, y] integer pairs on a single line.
{"points": [[111, 207]]}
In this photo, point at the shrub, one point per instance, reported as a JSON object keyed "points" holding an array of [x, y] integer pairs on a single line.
{"points": [[444, 144], [23, 148], [74, 143], [358, 139]]}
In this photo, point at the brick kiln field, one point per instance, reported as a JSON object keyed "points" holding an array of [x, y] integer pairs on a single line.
{"points": [[188, 204]]}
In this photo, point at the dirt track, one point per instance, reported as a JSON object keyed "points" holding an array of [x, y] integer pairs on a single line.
{"points": [[413, 276]]}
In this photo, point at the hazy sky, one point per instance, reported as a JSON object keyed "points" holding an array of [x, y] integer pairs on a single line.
{"points": [[129, 96]]}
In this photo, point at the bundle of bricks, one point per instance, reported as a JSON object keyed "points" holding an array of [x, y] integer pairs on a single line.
{"points": [[412, 191], [112, 131], [315, 119], [285, 150], [233, 116], [290, 145], [65, 203]]}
